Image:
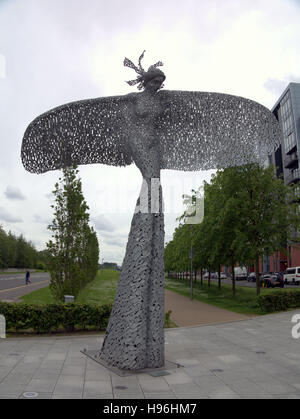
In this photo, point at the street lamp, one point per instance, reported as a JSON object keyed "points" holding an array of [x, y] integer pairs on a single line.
{"points": [[191, 257]]}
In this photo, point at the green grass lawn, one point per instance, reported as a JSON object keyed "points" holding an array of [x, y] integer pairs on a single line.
{"points": [[103, 289], [100, 291], [244, 302], [41, 296]]}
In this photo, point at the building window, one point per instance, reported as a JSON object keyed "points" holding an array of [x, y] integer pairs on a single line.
{"points": [[286, 119], [289, 142], [285, 116]]}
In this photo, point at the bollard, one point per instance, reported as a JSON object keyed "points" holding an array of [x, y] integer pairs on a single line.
{"points": [[69, 298], [2, 327]]}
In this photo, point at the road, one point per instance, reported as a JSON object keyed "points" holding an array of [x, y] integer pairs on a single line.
{"points": [[12, 286]]}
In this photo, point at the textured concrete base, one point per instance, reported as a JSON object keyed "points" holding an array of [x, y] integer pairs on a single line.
{"points": [[94, 355]]}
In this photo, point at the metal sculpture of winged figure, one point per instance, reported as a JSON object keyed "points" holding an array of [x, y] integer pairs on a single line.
{"points": [[155, 129]]}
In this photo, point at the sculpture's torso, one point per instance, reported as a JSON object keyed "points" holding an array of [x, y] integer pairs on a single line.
{"points": [[142, 140]]}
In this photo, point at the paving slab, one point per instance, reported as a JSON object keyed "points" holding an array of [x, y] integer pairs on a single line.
{"points": [[160, 395], [252, 358]]}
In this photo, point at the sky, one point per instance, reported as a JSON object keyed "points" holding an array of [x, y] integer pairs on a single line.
{"points": [[57, 51]]}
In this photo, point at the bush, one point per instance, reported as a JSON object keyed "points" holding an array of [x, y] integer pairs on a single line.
{"points": [[281, 301], [49, 318]]}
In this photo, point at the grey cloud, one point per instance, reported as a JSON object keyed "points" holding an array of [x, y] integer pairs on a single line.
{"points": [[102, 224], [112, 255], [14, 193], [6, 216], [37, 243], [276, 86], [109, 235], [38, 219], [115, 242]]}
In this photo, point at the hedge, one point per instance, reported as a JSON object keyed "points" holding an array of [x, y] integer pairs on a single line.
{"points": [[49, 318], [279, 301]]}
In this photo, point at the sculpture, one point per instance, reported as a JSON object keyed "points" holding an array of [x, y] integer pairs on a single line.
{"points": [[156, 129]]}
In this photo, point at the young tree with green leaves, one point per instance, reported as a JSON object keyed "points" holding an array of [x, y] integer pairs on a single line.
{"points": [[73, 251], [257, 213]]}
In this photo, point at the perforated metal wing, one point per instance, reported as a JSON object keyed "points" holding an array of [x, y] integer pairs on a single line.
{"points": [[83, 132], [201, 131], [195, 131]]}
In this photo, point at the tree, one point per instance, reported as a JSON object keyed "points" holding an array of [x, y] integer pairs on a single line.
{"points": [[3, 247], [222, 221], [12, 250], [16, 252], [73, 251], [249, 213], [257, 213]]}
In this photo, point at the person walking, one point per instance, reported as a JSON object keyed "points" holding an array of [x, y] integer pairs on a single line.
{"points": [[28, 281]]}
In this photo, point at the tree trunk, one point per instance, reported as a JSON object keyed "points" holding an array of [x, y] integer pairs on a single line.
{"points": [[257, 275], [233, 278], [195, 276], [219, 277], [201, 276], [209, 278]]}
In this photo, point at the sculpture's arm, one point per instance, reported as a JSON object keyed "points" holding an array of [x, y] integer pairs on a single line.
{"points": [[83, 132], [201, 131]]}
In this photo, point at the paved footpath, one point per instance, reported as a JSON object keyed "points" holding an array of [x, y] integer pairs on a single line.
{"points": [[187, 312], [254, 358]]}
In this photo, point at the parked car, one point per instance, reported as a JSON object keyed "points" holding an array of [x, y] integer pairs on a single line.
{"points": [[205, 276], [265, 279], [240, 273], [292, 276], [251, 277], [215, 275], [279, 275], [274, 281]]}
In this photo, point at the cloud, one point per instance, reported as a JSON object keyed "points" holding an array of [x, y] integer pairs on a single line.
{"points": [[14, 193], [2, 67], [6, 216], [115, 242], [39, 219], [277, 87], [102, 224], [118, 234]]}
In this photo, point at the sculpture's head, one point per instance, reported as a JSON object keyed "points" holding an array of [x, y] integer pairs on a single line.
{"points": [[151, 80]]}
